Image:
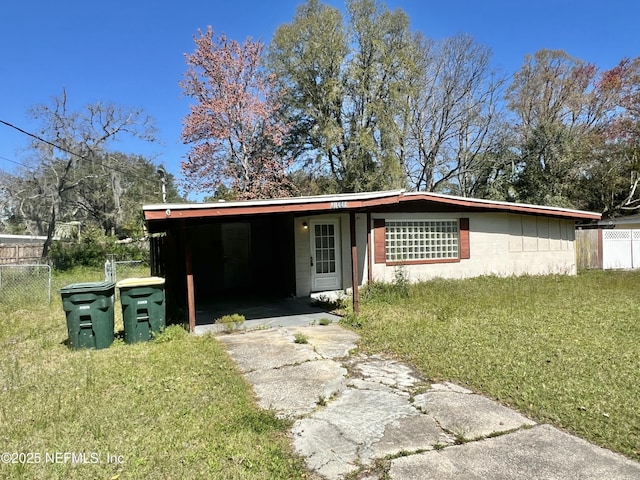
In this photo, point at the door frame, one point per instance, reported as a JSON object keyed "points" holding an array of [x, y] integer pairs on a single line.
{"points": [[321, 281]]}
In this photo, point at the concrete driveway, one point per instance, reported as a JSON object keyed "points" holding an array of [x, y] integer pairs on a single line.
{"points": [[373, 416]]}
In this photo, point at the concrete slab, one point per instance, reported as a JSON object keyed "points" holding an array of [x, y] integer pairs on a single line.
{"points": [[358, 426], [264, 349], [541, 453], [387, 372], [468, 415], [328, 341], [259, 313], [295, 390], [354, 410], [410, 434]]}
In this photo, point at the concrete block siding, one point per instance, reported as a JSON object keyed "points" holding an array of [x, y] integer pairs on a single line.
{"points": [[501, 244]]}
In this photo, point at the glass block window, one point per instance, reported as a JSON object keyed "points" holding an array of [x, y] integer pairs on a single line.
{"points": [[415, 240]]}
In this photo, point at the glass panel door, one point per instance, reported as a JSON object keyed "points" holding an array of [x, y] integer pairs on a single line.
{"points": [[325, 256]]}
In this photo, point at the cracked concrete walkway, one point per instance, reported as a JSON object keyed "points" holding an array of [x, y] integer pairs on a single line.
{"points": [[372, 416]]}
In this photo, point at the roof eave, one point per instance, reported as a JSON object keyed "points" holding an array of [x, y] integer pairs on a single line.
{"points": [[501, 206], [347, 202], [315, 204]]}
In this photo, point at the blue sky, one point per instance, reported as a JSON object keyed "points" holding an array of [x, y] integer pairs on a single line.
{"points": [[131, 53]]}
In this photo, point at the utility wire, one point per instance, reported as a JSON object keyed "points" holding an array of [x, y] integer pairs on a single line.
{"points": [[14, 161], [40, 139]]}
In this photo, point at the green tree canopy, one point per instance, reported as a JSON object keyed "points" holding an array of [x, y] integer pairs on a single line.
{"points": [[342, 82]]}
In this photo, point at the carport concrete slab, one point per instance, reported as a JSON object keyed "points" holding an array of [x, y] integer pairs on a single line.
{"points": [[260, 313], [295, 390], [468, 415], [264, 349], [359, 425], [541, 453]]}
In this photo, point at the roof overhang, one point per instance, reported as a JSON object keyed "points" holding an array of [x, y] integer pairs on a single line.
{"points": [[523, 208], [346, 202], [314, 204]]}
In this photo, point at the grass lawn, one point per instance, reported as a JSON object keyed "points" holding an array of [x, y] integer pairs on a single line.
{"points": [[562, 350], [172, 408]]}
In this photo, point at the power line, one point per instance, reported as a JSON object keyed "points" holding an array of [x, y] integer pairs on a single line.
{"points": [[70, 152], [14, 161]]}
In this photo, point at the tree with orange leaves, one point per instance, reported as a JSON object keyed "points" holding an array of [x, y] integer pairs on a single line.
{"points": [[232, 127]]}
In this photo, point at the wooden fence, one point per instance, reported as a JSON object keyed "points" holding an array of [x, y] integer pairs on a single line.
{"points": [[20, 253], [587, 249]]}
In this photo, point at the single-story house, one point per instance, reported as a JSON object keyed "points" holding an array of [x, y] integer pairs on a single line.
{"points": [[20, 248], [630, 222], [297, 246], [8, 239]]}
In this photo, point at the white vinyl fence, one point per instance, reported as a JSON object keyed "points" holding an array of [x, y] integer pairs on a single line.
{"points": [[620, 249]]}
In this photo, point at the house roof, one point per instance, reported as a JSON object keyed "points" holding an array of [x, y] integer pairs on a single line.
{"points": [[7, 238], [627, 220], [345, 202]]}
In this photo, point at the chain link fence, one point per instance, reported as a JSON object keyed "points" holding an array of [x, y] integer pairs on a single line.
{"points": [[25, 283], [115, 270]]}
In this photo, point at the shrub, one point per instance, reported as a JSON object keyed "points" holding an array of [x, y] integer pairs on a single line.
{"points": [[92, 250], [232, 322]]}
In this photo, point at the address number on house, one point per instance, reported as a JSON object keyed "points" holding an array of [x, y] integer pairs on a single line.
{"points": [[335, 205]]}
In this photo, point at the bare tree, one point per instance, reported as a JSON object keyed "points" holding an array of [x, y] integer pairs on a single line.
{"points": [[68, 140], [453, 115]]}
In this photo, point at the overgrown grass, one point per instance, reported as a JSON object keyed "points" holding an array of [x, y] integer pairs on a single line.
{"points": [[563, 350], [175, 407]]}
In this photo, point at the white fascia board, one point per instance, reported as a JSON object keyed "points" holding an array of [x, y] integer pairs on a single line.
{"points": [[341, 197]]}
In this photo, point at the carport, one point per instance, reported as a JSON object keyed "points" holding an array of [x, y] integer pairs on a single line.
{"points": [[211, 252], [223, 259]]}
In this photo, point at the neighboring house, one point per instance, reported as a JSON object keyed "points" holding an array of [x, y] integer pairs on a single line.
{"points": [[610, 244], [296, 246], [20, 248], [5, 238]]}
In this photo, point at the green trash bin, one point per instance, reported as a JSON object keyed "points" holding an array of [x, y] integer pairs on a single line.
{"points": [[89, 311], [143, 308]]}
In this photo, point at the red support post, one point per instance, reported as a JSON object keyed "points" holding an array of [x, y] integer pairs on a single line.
{"points": [[354, 263]]}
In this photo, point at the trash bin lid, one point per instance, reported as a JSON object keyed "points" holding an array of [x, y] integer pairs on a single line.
{"points": [[87, 287], [140, 282]]}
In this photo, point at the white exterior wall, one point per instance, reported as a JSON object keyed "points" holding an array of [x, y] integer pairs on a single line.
{"points": [[303, 250], [500, 244]]}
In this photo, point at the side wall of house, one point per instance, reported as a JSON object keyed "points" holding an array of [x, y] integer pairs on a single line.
{"points": [[303, 250], [499, 244]]}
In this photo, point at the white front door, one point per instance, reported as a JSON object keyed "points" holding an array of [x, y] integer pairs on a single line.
{"points": [[325, 255]]}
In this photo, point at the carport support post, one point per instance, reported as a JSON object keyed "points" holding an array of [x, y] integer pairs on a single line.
{"points": [[354, 263], [191, 303]]}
